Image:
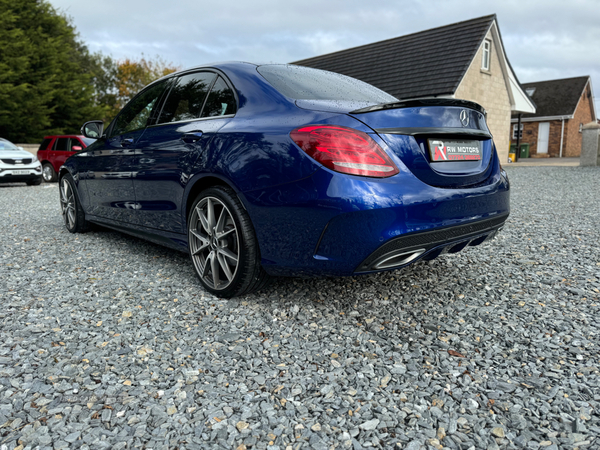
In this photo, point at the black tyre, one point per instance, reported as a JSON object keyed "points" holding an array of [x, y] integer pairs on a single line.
{"points": [[223, 245], [35, 182], [48, 173], [70, 206]]}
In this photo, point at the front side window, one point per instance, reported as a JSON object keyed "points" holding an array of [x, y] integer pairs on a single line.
{"points": [[186, 99], [63, 144], [76, 145], [220, 101], [487, 51], [139, 111]]}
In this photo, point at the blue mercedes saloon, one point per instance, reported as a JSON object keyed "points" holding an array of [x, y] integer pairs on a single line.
{"points": [[265, 170]]}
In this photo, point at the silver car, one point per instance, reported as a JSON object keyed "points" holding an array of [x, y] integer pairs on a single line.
{"points": [[18, 165]]}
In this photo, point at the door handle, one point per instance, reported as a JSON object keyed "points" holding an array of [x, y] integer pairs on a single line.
{"points": [[190, 138], [126, 142]]}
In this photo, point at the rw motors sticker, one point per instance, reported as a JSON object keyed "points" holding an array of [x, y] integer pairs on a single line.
{"points": [[452, 150]]}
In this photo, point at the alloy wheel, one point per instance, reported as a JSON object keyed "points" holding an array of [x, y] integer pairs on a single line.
{"points": [[67, 203], [214, 243]]}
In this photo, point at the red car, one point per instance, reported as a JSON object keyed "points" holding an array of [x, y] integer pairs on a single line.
{"points": [[55, 150]]}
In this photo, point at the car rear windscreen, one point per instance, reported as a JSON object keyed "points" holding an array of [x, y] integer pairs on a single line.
{"points": [[303, 83]]}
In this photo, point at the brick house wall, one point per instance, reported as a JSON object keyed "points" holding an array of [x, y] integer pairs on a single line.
{"points": [[583, 115], [488, 88], [530, 136], [571, 137]]}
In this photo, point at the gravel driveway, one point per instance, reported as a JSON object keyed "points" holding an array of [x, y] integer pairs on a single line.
{"points": [[109, 342]]}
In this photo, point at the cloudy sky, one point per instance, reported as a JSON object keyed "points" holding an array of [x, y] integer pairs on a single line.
{"points": [[544, 39]]}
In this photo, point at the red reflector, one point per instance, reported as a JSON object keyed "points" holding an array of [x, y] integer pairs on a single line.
{"points": [[344, 150]]}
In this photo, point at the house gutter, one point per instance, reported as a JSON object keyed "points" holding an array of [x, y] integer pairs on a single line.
{"points": [[542, 118]]}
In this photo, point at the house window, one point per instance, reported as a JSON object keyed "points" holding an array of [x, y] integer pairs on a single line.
{"points": [[487, 51], [515, 131]]}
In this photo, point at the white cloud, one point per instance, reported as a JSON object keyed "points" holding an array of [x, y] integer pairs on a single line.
{"points": [[544, 39]]}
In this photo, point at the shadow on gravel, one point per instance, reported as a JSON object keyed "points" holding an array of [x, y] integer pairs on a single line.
{"points": [[349, 292]]}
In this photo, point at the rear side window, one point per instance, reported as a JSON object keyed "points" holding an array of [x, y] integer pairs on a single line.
{"points": [[303, 83], [186, 99], [221, 100], [63, 144], [45, 143]]}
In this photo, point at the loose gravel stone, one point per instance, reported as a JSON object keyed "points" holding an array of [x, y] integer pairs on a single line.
{"points": [[498, 432], [107, 341]]}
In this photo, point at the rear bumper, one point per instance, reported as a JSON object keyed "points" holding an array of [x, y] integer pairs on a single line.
{"points": [[428, 245], [335, 225]]}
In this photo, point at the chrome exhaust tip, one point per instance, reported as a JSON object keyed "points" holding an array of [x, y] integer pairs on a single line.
{"points": [[395, 259]]}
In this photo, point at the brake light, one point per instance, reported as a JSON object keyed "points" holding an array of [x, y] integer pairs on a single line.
{"points": [[344, 150]]}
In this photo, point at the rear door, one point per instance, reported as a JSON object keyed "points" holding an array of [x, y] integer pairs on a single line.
{"points": [[167, 151], [443, 142], [62, 151], [45, 149], [109, 164]]}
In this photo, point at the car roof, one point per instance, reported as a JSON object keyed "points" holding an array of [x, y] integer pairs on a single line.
{"points": [[63, 135]]}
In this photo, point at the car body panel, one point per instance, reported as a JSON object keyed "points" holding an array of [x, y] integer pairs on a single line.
{"points": [[330, 222], [308, 219], [163, 165], [106, 172]]}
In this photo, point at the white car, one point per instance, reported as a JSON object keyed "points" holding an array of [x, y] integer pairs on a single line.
{"points": [[18, 165]]}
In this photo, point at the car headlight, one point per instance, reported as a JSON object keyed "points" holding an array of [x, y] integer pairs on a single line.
{"points": [[34, 159]]}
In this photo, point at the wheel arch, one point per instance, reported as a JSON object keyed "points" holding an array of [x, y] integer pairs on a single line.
{"points": [[201, 183], [62, 172]]}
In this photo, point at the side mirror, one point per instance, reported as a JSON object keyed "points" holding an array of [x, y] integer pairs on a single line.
{"points": [[93, 129], [76, 148], [20, 148]]}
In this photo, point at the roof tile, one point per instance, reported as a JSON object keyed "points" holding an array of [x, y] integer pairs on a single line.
{"points": [[556, 97], [427, 63]]}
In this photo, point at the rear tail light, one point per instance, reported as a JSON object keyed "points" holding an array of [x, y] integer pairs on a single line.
{"points": [[344, 150]]}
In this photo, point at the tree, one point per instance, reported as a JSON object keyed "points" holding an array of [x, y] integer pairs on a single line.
{"points": [[104, 78], [132, 76], [116, 83], [46, 86]]}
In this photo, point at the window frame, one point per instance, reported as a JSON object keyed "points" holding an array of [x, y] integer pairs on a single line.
{"points": [[174, 81], [486, 52], [212, 86], [152, 118]]}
